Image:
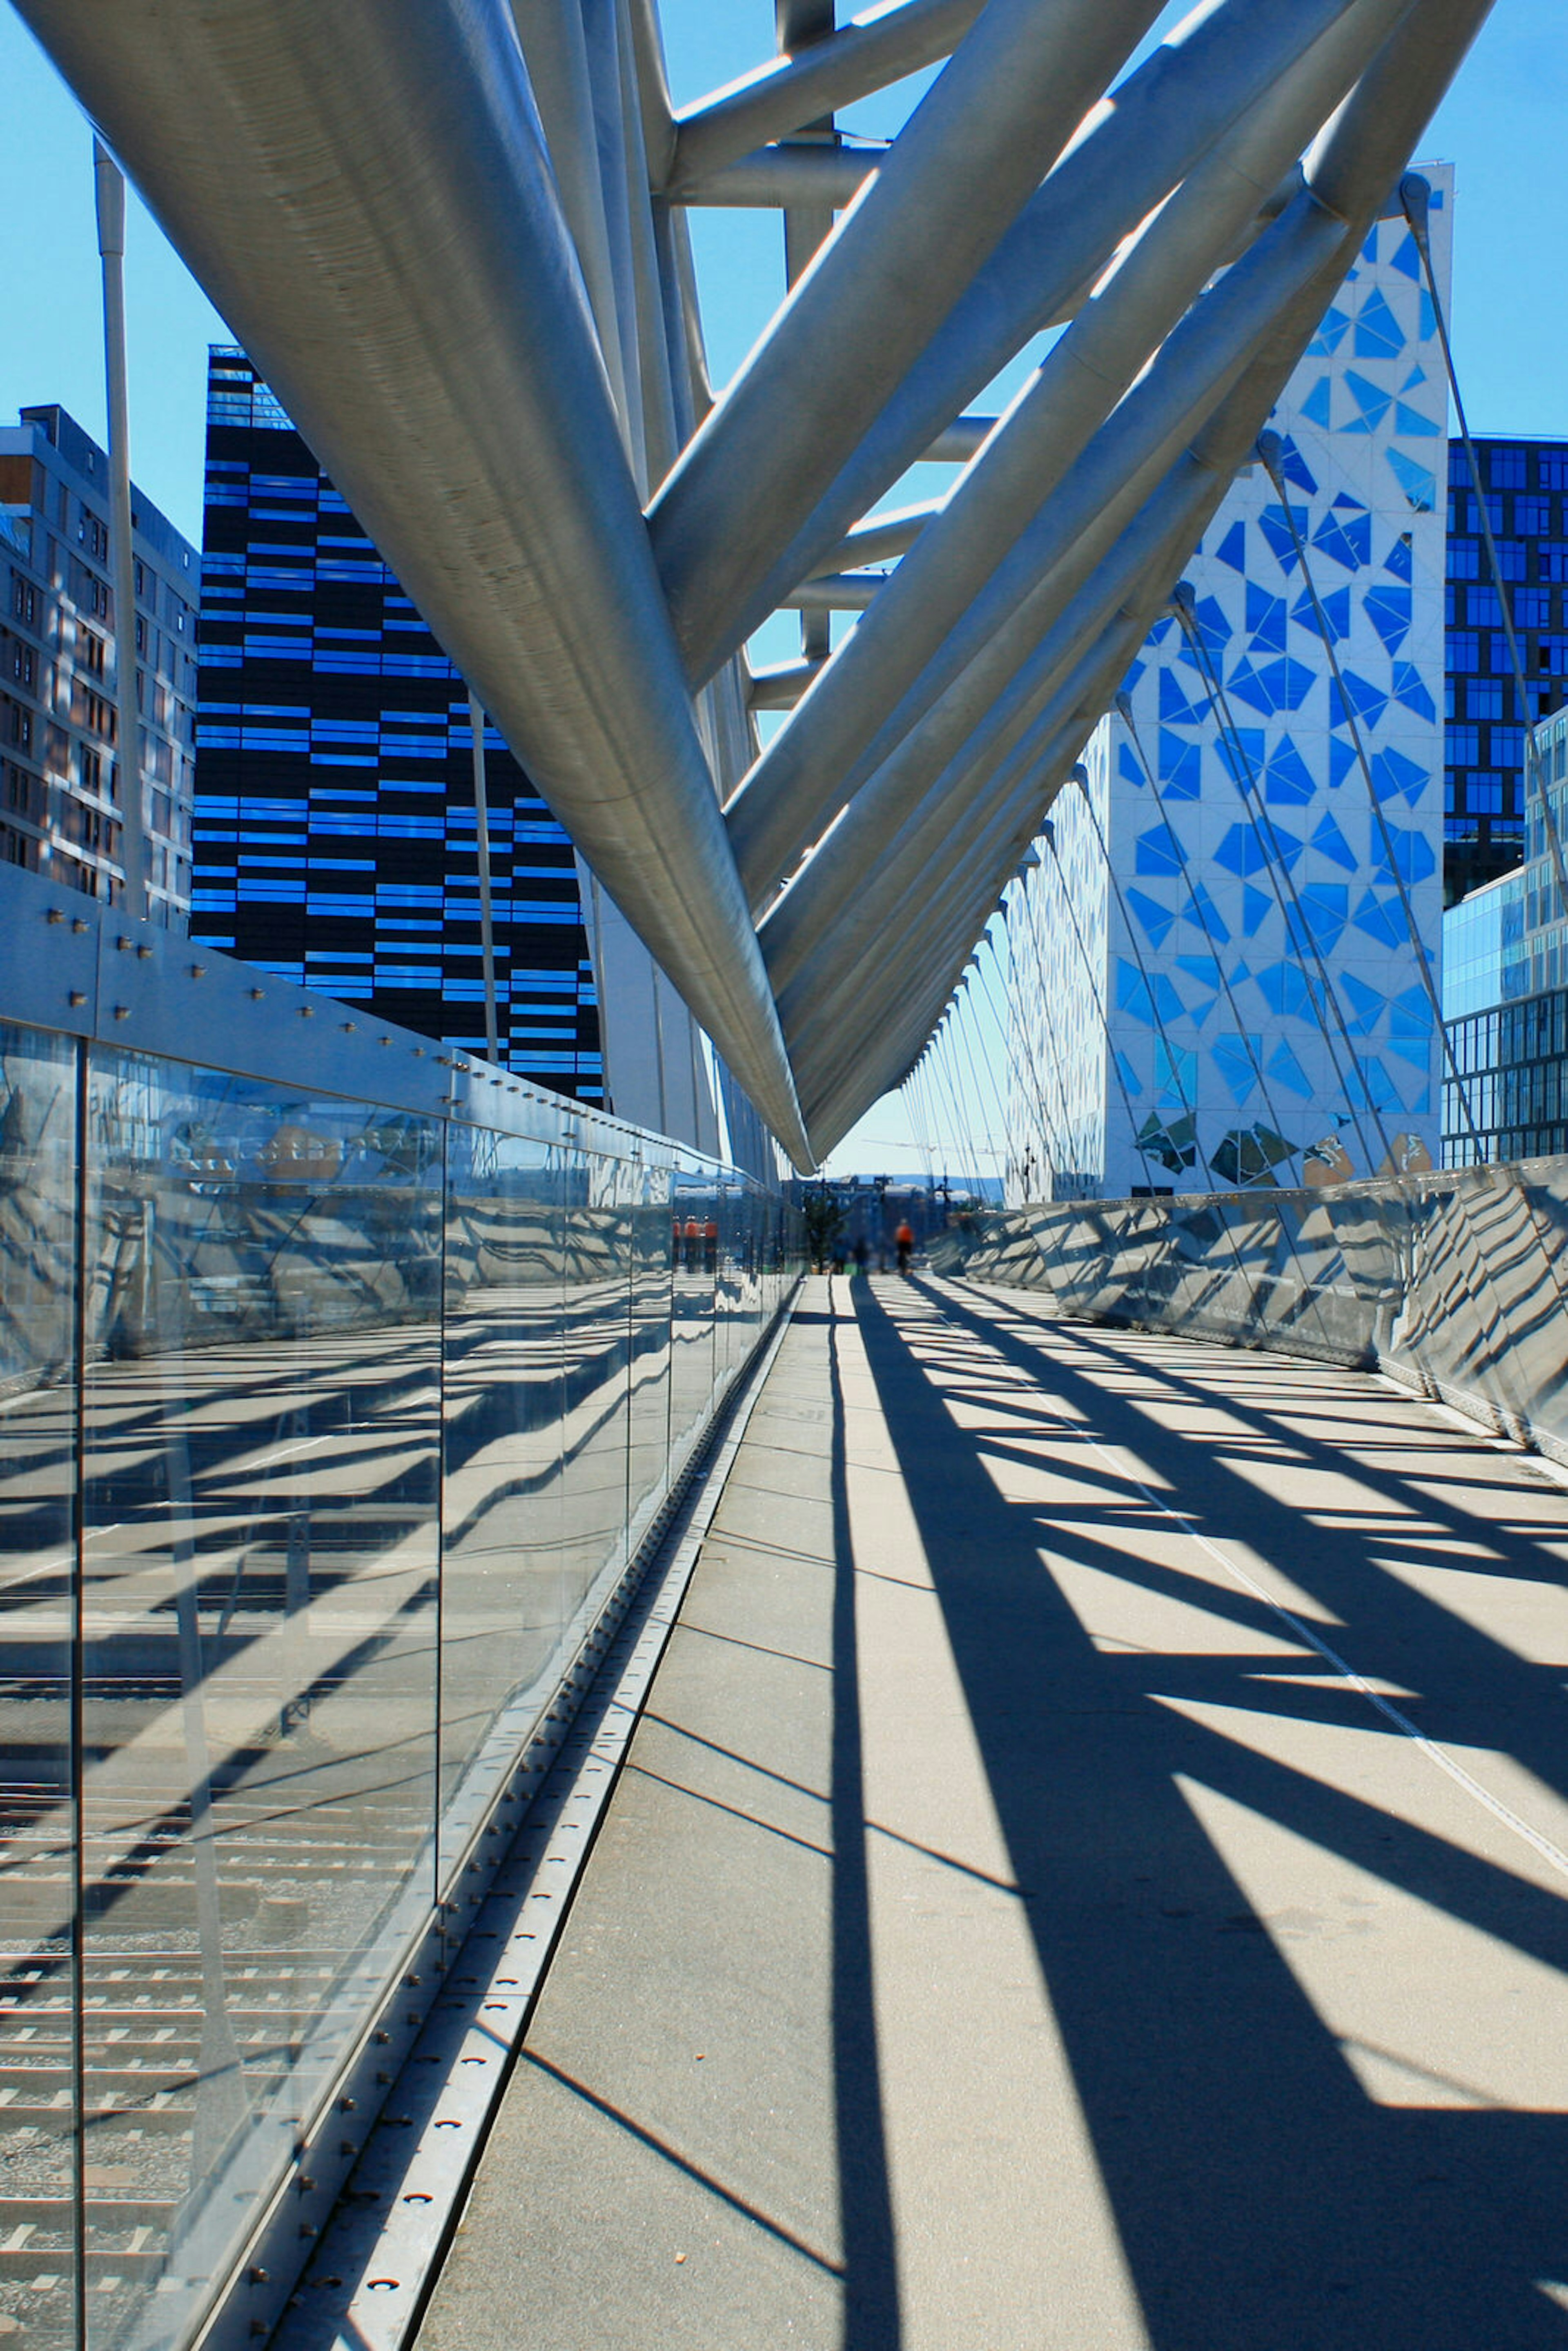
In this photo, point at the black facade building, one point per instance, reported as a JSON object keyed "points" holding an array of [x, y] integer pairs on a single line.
{"points": [[1526, 484], [335, 833]]}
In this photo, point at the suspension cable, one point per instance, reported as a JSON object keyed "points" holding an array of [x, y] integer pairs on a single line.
{"points": [[1097, 993], [1189, 1107], [1124, 706], [1268, 451], [1299, 931]]}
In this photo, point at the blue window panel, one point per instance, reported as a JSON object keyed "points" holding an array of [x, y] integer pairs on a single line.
{"points": [[1412, 1014], [1418, 483], [1158, 850], [1175, 1073], [1412, 857], [1364, 1004], [1205, 917], [1286, 991], [1401, 563], [1381, 917], [1276, 528], [1389, 610], [1464, 745], [1176, 708], [1181, 767], [1232, 548], [1371, 404], [1133, 996], [1380, 1088], [1330, 334], [1129, 767], [1412, 422], [1368, 701], [1330, 843], [1202, 969], [1396, 777], [1317, 405], [1462, 651], [1256, 909], [1234, 1056], [1251, 685], [1287, 779], [1265, 620], [1336, 610], [1412, 691], [1285, 1070], [1242, 851], [1344, 534], [1324, 909]]}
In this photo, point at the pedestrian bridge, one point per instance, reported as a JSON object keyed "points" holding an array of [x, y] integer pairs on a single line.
{"points": [[1075, 1812], [1090, 1872]]}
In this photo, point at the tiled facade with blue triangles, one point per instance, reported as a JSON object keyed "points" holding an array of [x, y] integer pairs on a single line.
{"points": [[1217, 966]]}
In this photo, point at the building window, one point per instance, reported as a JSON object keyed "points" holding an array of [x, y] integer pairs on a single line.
{"points": [[1506, 469], [24, 601]]}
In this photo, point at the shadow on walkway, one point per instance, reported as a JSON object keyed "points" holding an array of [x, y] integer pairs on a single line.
{"points": [[1266, 2200]]}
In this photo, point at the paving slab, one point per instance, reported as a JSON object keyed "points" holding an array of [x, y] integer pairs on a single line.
{"points": [[1090, 1876]]}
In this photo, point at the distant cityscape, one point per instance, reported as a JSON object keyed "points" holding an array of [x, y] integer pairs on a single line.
{"points": [[1218, 955]]}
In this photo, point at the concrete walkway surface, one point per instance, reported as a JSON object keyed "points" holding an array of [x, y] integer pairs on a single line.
{"points": [[1090, 1877]]}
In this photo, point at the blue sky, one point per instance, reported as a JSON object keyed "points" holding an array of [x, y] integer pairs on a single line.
{"points": [[1502, 127]]}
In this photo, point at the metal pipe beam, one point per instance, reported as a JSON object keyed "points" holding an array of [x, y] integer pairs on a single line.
{"points": [[780, 687], [497, 489], [902, 254], [879, 539], [868, 54], [1349, 170], [1141, 300], [825, 177], [785, 802], [1156, 127]]}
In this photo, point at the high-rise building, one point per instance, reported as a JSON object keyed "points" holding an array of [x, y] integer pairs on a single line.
{"points": [[1220, 965], [336, 834], [60, 809], [1505, 988], [1525, 485]]}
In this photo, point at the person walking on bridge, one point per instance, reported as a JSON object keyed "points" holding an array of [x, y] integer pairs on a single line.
{"points": [[903, 1242]]}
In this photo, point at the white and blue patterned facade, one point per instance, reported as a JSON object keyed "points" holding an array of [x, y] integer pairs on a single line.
{"points": [[1255, 1011]]}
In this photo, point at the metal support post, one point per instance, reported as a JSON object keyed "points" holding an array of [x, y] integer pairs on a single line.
{"points": [[109, 186]]}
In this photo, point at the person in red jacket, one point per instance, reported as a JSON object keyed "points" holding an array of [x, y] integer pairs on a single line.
{"points": [[903, 1242]]}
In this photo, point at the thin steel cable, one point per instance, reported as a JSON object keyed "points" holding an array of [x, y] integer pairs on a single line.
{"points": [[1098, 994], [1268, 453], [1172, 1061], [1023, 1073], [1309, 1289], [1299, 931], [1200, 910]]}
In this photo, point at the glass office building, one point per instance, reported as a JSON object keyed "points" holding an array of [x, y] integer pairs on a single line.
{"points": [[1525, 485], [1505, 991], [336, 838], [60, 795]]}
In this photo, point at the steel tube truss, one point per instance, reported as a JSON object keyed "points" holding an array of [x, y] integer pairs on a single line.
{"points": [[453, 236]]}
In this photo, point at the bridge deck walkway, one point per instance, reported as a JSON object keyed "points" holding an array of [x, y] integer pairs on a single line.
{"points": [[1091, 1875]]}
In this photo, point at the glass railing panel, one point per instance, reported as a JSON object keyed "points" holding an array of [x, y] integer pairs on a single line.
{"points": [[597, 1263], [259, 1616], [652, 1303], [505, 1609], [692, 1345], [38, 2220]]}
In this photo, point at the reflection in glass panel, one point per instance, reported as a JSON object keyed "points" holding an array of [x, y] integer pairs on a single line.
{"points": [[260, 1608], [598, 1268], [691, 1207], [504, 1609], [37, 1585], [651, 1292]]}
